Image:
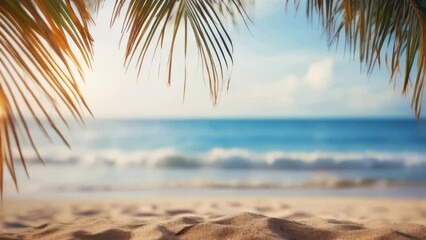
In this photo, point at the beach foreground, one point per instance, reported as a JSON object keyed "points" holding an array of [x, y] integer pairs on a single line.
{"points": [[215, 218]]}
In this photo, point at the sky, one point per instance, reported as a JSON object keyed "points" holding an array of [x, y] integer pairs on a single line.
{"points": [[282, 68]]}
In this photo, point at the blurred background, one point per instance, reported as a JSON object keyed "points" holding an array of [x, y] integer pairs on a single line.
{"points": [[298, 119]]}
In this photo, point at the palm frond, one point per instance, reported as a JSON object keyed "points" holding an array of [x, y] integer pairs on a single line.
{"points": [[391, 29], [95, 5], [40, 70], [147, 22]]}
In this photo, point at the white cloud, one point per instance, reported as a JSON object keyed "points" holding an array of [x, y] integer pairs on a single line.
{"points": [[291, 94], [320, 74], [315, 92], [264, 7]]}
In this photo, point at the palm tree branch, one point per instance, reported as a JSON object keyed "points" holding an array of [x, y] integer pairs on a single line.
{"points": [[44, 47]]}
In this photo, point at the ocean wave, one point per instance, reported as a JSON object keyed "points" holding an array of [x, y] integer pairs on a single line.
{"points": [[239, 159], [325, 183]]}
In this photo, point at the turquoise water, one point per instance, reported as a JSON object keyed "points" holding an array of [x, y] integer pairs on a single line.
{"points": [[236, 156], [303, 135]]}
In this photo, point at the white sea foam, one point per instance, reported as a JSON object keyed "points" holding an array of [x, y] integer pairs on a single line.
{"points": [[237, 159]]}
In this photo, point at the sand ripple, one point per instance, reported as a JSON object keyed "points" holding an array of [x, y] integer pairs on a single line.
{"points": [[211, 219]]}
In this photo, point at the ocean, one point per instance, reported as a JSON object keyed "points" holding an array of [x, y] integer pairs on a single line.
{"points": [[134, 158]]}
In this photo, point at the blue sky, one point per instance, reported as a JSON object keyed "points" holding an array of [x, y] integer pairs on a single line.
{"points": [[283, 68]]}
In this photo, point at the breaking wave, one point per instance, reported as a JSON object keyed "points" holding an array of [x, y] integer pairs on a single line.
{"points": [[239, 159]]}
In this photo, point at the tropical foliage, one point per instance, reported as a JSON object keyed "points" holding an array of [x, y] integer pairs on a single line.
{"points": [[46, 45], [389, 31], [42, 42]]}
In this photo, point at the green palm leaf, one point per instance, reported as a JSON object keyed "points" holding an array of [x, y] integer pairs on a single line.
{"points": [[147, 23], [40, 70]]}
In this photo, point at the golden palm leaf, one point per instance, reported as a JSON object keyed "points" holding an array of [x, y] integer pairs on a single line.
{"points": [[44, 46]]}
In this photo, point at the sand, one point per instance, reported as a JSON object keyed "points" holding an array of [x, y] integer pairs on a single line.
{"points": [[215, 218]]}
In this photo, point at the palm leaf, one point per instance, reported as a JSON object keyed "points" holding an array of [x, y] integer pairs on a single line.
{"points": [[147, 22], [40, 71], [391, 29]]}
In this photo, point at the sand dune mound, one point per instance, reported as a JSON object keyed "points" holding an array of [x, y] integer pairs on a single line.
{"points": [[244, 226]]}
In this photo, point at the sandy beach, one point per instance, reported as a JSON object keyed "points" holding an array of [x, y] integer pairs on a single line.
{"points": [[215, 218]]}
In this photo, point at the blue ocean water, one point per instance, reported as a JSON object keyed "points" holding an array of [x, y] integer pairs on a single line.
{"points": [[233, 156], [303, 135]]}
